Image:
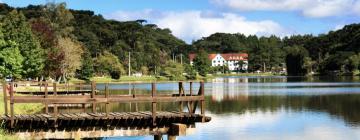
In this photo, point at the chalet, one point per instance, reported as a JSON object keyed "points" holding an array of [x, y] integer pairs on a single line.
{"points": [[231, 60]]}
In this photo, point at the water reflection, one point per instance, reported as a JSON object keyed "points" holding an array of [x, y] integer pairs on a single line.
{"points": [[269, 107]]}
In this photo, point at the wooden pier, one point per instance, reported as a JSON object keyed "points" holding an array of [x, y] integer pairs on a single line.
{"points": [[57, 121]]}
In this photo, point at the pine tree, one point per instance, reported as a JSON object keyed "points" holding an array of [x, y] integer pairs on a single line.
{"points": [[10, 58], [18, 30]]}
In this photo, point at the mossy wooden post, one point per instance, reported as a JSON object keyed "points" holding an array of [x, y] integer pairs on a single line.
{"points": [[107, 98], [55, 105], [93, 90], [153, 105], [46, 96], [11, 105], [180, 94], [202, 102], [5, 97]]}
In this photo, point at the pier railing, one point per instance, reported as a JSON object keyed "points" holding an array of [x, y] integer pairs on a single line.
{"points": [[49, 94]]}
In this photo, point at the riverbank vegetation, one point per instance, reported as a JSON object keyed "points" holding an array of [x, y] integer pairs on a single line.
{"points": [[54, 42]]}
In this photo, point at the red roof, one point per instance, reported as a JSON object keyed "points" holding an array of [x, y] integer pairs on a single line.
{"points": [[235, 56], [226, 56]]}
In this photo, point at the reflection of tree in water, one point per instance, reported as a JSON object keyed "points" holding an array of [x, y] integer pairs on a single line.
{"points": [[342, 106]]}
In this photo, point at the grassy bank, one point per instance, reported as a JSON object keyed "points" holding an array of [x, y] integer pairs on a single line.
{"points": [[246, 74]]}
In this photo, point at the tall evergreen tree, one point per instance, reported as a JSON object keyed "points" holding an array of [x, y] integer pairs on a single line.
{"points": [[202, 63], [18, 30], [10, 58]]}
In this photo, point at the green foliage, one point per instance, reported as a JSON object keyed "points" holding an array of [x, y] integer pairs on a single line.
{"points": [[190, 72], [173, 70], [11, 62], [295, 59], [108, 64], [202, 63], [60, 33], [17, 29], [87, 67]]}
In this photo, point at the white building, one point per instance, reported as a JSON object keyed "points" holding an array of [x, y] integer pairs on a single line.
{"points": [[231, 60]]}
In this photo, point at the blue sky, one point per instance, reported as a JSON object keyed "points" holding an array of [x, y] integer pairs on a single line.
{"points": [[193, 19]]}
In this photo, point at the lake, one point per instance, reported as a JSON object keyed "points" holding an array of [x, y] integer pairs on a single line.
{"points": [[267, 108]]}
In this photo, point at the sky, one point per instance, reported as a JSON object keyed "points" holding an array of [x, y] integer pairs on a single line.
{"points": [[193, 19]]}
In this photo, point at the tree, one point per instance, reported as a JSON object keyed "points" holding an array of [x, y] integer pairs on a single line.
{"points": [[17, 29], [295, 60], [353, 62], [10, 62], [108, 64], [87, 67], [173, 70], [72, 56], [202, 63]]}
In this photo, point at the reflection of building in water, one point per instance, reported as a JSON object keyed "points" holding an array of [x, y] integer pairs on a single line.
{"points": [[228, 88]]}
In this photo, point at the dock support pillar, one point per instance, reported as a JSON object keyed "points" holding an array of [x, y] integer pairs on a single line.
{"points": [[158, 137], [170, 137], [153, 104], [93, 90]]}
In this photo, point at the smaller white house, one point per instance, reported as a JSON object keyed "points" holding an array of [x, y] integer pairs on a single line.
{"points": [[231, 60]]}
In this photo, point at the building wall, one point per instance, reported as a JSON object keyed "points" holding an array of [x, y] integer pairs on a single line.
{"points": [[218, 60]]}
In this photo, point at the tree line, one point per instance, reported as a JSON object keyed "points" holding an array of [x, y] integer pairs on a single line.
{"points": [[54, 41]]}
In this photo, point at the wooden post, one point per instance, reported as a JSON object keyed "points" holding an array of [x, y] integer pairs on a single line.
{"points": [[83, 94], [11, 105], [190, 103], [93, 90], [46, 95], [153, 105], [107, 97], [191, 83], [158, 137], [55, 105], [180, 94], [170, 137], [5, 97], [202, 102]]}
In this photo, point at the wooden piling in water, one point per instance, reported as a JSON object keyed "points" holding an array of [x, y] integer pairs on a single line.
{"points": [[93, 89], [181, 94], [107, 97], [153, 104], [202, 102]]}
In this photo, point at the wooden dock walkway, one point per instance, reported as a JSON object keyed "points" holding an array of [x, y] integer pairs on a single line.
{"points": [[101, 120], [110, 120]]}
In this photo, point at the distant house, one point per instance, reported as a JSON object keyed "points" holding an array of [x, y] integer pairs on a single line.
{"points": [[231, 60]]}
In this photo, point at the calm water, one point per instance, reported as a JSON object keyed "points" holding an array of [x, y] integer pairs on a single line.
{"points": [[268, 108]]}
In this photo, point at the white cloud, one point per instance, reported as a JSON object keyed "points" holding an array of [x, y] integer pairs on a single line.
{"points": [[309, 8], [192, 25], [338, 27]]}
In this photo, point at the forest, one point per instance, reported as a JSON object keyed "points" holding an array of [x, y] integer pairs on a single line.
{"points": [[53, 41]]}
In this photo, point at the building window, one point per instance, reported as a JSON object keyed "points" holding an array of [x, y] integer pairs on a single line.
{"points": [[218, 61], [214, 61]]}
